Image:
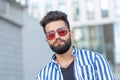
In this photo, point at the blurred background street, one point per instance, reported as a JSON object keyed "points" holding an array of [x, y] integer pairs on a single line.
{"points": [[23, 48]]}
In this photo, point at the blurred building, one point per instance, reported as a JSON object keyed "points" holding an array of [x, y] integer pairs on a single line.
{"points": [[11, 57], [96, 24], [21, 52]]}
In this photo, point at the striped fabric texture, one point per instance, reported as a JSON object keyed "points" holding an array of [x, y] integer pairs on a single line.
{"points": [[88, 65]]}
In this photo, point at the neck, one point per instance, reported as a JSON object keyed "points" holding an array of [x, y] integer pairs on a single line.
{"points": [[65, 59]]}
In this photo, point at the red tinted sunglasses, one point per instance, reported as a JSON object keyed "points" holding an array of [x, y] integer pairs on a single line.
{"points": [[61, 32]]}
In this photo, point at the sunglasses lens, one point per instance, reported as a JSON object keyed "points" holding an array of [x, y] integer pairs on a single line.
{"points": [[50, 35], [62, 32]]}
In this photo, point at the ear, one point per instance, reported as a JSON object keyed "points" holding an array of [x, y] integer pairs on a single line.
{"points": [[71, 34]]}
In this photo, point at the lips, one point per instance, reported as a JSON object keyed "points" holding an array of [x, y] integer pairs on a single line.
{"points": [[58, 42]]}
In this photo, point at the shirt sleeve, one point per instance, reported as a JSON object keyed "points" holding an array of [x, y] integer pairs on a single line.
{"points": [[103, 70], [38, 77]]}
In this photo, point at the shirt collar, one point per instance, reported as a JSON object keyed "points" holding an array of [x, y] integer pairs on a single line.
{"points": [[73, 53]]}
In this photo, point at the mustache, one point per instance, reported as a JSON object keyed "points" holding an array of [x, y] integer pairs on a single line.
{"points": [[59, 39]]}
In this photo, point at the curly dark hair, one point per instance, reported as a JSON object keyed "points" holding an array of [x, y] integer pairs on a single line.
{"points": [[54, 16]]}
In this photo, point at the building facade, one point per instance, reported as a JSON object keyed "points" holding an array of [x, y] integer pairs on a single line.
{"points": [[22, 52], [11, 57]]}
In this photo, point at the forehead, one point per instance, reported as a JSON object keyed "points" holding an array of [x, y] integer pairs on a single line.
{"points": [[54, 25]]}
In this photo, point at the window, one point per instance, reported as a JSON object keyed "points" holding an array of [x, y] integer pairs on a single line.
{"points": [[61, 5], [88, 37], [76, 10], [90, 9], [117, 6], [48, 6], [104, 8]]}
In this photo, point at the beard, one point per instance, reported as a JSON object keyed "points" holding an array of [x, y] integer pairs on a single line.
{"points": [[61, 49]]}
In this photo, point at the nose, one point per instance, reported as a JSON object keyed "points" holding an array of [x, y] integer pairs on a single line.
{"points": [[57, 35]]}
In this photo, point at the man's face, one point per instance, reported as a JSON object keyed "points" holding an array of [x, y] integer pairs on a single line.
{"points": [[58, 36]]}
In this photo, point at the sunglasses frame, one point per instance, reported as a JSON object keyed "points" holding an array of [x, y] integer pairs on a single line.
{"points": [[59, 30]]}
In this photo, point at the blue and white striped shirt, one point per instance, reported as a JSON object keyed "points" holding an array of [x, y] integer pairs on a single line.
{"points": [[88, 65]]}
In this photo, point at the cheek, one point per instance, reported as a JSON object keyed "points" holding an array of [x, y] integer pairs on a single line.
{"points": [[68, 37], [50, 42]]}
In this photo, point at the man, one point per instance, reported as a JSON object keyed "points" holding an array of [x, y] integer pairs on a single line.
{"points": [[68, 62]]}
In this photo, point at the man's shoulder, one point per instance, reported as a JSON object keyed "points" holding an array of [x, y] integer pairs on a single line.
{"points": [[48, 65], [85, 51], [85, 54], [43, 70]]}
